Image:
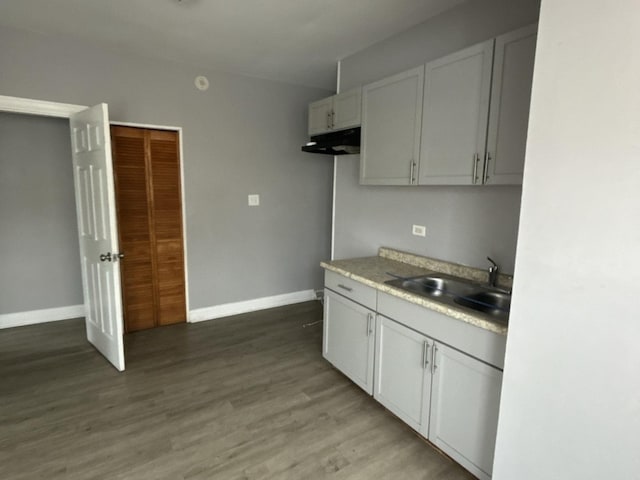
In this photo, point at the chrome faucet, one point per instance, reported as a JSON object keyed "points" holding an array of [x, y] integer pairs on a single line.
{"points": [[493, 272]]}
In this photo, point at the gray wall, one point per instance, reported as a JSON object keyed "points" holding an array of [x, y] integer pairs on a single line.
{"points": [[570, 405], [461, 225], [242, 136], [39, 235], [464, 224]]}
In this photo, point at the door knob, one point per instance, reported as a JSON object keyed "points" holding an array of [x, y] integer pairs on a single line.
{"points": [[111, 257]]}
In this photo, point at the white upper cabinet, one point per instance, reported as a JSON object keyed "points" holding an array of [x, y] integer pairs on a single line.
{"points": [[455, 116], [338, 112], [466, 126], [391, 120], [320, 116], [346, 109], [509, 110], [476, 112]]}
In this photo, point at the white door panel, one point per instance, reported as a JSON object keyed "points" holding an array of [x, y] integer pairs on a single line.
{"points": [[97, 229]]}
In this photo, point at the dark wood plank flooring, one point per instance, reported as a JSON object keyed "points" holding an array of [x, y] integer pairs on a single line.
{"points": [[248, 397]]}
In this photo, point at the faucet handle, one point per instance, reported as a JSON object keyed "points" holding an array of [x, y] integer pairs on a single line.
{"points": [[494, 266]]}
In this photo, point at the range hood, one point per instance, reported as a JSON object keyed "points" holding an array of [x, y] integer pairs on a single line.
{"points": [[343, 142]]}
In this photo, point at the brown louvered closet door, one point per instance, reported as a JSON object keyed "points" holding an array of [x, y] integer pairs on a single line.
{"points": [[147, 179]]}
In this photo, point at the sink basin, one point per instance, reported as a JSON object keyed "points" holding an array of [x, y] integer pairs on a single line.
{"points": [[426, 286], [493, 303], [452, 291], [433, 285]]}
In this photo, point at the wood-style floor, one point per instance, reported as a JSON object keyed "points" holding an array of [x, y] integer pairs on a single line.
{"points": [[248, 397]]}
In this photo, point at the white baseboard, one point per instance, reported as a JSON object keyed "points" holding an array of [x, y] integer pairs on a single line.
{"points": [[236, 308], [18, 319]]}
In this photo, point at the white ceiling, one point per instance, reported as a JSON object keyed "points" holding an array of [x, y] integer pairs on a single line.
{"points": [[295, 41]]}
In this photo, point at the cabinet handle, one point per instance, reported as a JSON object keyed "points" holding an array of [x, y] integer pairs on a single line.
{"points": [[328, 120], [412, 167], [476, 159], [369, 322], [485, 170], [434, 367], [425, 354], [344, 287], [333, 119]]}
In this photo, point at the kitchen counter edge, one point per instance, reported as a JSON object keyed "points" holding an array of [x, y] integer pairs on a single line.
{"points": [[373, 272]]}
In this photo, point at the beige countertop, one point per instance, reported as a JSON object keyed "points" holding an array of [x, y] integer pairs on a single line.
{"points": [[373, 271]]}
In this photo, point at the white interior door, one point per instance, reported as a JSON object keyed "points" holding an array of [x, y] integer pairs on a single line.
{"points": [[97, 228]]}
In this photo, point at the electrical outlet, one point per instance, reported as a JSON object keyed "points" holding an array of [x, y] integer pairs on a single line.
{"points": [[419, 230], [254, 200]]}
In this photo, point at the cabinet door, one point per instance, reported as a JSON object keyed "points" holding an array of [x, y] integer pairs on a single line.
{"points": [[320, 116], [455, 115], [509, 111], [465, 400], [348, 341], [391, 119], [403, 378], [346, 109]]}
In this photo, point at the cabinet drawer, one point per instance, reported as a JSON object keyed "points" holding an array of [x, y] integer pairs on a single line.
{"points": [[352, 289]]}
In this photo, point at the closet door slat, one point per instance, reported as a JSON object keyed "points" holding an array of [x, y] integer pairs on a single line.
{"points": [[129, 167], [167, 220]]}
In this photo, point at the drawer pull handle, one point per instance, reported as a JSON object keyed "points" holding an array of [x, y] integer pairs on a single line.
{"points": [[344, 287], [425, 355]]}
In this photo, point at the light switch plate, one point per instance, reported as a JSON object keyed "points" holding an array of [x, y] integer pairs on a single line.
{"points": [[419, 230], [254, 200]]}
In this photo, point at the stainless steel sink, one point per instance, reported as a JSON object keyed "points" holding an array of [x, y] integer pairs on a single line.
{"points": [[428, 286], [459, 292], [422, 288], [493, 303], [434, 285]]}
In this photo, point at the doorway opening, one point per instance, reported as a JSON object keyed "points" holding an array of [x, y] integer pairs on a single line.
{"points": [[96, 211], [147, 174]]}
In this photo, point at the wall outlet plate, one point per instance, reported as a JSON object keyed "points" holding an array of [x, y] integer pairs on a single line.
{"points": [[254, 200], [419, 230]]}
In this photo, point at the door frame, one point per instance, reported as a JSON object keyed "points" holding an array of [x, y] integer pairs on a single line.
{"points": [[45, 108], [182, 199]]}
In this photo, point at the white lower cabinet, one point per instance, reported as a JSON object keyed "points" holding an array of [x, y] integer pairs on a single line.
{"points": [[445, 395], [465, 399], [348, 340], [403, 373], [448, 396]]}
